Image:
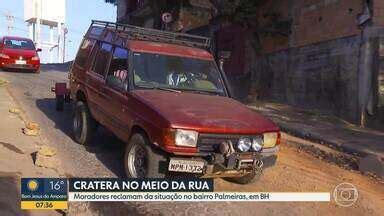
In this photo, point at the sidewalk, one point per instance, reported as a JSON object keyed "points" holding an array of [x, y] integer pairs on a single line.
{"points": [[16, 160], [329, 130]]}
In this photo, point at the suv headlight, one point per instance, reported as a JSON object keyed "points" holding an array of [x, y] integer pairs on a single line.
{"points": [[257, 143], [186, 138], [270, 139], [244, 144]]}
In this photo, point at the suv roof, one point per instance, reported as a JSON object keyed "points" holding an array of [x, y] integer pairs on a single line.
{"points": [[150, 40], [168, 49]]}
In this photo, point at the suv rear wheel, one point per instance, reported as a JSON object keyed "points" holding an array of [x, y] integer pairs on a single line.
{"points": [[84, 125], [142, 161]]}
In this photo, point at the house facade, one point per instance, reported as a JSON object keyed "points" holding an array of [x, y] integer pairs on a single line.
{"points": [[326, 55]]}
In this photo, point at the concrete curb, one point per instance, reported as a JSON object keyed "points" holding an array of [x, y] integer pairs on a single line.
{"points": [[369, 162]]}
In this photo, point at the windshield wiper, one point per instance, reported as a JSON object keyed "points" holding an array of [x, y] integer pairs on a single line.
{"points": [[203, 92], [159, 88]]}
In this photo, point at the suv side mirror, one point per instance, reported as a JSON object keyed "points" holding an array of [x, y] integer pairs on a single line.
{"points": [[39, 50]]}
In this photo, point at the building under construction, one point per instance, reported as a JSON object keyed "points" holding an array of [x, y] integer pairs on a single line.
{"points": [[49, 13]]}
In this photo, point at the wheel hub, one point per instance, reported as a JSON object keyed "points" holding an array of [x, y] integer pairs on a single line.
{"points": [[137, 162]]}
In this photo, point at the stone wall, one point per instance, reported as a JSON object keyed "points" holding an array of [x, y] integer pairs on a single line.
{"points": [[320, 76], [379, 85], [317, 67]]}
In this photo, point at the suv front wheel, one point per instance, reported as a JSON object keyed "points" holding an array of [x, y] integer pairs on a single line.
{"points": [[246, 179], [141, 160], [84, 126]]}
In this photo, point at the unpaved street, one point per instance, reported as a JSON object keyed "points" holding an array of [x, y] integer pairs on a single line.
{"points": [[296, 171]]}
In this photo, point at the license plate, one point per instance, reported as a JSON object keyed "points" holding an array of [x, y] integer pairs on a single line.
{"points": [[189, 166], [21, 62]]}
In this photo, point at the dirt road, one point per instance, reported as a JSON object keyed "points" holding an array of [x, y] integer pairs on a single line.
{"points": [[296, 171]]}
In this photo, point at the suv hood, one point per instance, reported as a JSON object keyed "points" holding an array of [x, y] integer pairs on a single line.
{"points": [[205, 113]]}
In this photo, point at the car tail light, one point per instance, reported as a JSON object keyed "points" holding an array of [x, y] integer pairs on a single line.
{"points": [[35, 58], [4, 56]]}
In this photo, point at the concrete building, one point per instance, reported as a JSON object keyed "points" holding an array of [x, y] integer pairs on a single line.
{"points": [[326, 55], [51, 14]]}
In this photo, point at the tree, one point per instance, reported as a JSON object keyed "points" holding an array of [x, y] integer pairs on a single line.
{"points": [[111, 1]]}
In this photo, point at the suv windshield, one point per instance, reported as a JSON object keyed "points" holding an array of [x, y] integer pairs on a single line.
{"points": [[177, 73], [19, 44]]}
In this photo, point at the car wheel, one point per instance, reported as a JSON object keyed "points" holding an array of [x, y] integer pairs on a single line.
{"points": [[59, 102], [37, 71], [84, 125], [142, 161], [246, 179]]}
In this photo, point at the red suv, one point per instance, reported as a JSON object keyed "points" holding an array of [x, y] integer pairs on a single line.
{"points": [[19, 53], [163, 94]]}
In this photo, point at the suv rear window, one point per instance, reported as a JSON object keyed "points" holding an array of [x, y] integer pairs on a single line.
{"points": [[102, 59], [84, 51], [19, 44], [118, 69]]}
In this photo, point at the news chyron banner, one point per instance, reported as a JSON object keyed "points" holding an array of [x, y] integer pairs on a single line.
{"points": [[50, 193], [44, 193], [137, 189]]}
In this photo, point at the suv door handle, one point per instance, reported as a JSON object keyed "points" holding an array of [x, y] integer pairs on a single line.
{"points": [[124, 108], [102, 92]]}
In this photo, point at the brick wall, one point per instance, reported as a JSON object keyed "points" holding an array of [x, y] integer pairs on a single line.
{"points": [[378, 12], [314, 21], [321, 20]]}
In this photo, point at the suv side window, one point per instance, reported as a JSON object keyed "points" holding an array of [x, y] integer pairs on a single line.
{"points": [[83, 52], [118, 70], [101, 61]]}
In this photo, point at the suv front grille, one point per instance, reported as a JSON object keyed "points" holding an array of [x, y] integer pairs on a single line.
{"points": [[209, 143]]}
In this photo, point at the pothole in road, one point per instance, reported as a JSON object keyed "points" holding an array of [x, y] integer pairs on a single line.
{"points": [[341, 159], [344, 160]]}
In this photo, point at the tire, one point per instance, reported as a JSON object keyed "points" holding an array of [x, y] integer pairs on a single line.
{"points": [[151, 161], [36, 71], [67, 98], [59, 102], [254, 176], [84, 125]]}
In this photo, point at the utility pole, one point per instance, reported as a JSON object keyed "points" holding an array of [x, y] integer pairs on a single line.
{"points": [[10, 20], [64, 38], [59, 42], [65, 32]]}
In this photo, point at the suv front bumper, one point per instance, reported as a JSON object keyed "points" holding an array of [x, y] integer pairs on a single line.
{"points": [[217, 165]]}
